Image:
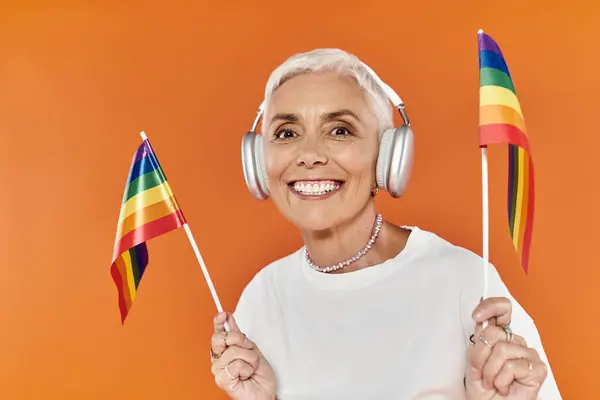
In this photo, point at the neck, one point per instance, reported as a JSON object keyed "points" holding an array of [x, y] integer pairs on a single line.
{"points": [[343, 241]]}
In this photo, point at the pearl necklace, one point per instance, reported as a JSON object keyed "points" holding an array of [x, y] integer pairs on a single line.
{"points": [[356, 257]]}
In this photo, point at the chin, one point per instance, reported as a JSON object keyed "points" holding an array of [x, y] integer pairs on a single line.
{"points": [[315, 219], [316, 224], [314, 214]]}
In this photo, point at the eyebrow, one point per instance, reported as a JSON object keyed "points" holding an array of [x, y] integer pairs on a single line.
{"points": [[284, 117], [340, 113], [329, 116]]}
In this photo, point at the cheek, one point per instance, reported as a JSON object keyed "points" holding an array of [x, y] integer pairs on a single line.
{"points": [[277, 161], [358, 163]]}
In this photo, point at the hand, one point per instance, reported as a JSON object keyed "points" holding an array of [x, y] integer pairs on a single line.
{"points": [[239, 367], [504, 367]]}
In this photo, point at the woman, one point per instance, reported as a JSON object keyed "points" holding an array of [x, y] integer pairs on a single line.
{"points": [[402, 319]]}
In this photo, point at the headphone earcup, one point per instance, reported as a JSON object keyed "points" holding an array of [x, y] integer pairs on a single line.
{"points": [[253, 164], [259, 149], [395, 160], [383, 159]]}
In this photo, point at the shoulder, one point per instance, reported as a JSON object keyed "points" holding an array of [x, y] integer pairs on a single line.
{"points": [[274, 272], [441, 254], [459, 268], [261, 294]]}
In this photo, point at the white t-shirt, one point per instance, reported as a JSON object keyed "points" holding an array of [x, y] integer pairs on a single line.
{"points": [[398, 330]]}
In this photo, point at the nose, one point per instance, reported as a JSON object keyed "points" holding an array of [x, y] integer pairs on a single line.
{"points": [[312, 152]]}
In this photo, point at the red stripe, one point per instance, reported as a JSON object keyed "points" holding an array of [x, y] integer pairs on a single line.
{"points": [[149, 231], [114, 272], [502, 133], [529, 221]]}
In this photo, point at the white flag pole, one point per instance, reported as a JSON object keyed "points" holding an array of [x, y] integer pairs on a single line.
{"points": [[486, 223], [486, 218], [211, 287]]}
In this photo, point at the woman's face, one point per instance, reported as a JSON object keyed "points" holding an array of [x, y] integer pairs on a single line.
{"points": [[321, 146]]}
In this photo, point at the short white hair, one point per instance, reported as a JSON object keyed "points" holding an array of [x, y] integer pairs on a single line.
{"points": [[345, 64]]}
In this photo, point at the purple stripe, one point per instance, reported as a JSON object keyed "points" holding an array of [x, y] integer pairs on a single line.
{"points": [[142, 152], [487, 43]]}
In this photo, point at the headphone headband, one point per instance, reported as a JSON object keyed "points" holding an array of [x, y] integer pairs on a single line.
{"points": [[391, 94]]}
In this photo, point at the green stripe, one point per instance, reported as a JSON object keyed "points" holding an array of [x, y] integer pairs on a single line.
{"points": [[495, 77], [144, 182]]}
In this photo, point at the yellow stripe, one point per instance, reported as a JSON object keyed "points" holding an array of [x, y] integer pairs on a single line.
{"points": [[496, 95], [147, 215], [129, 272], [148, 197], [520, 190]]}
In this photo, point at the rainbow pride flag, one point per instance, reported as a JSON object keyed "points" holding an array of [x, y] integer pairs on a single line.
{"points": [[501, 121], [149, 209]]}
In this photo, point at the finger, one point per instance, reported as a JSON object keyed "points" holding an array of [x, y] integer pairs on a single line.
{"points": [[221, 341], [518, 370], [228, 376], [497, 308], [496, 334], [233, 324], [227, 339], [501, 353], [240, 369], [219, 322], [234, 353], [479, 353]]}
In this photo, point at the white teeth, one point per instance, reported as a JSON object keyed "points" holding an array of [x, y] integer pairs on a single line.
{"points": [[315, 189]]}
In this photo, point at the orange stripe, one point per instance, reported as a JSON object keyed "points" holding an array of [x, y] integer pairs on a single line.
{"points": [[124, 284], [498, 114], [147, 214]]}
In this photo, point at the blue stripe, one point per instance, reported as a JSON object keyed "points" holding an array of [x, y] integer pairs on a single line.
{"points": [[142, 167], [489, 59], [141, 258], [513, 170]]}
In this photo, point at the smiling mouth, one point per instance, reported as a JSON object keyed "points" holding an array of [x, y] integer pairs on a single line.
{"points": [[314, 189]]}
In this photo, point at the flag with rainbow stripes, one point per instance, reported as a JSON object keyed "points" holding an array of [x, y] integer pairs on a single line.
{"points": [[501, 121], [149, 209]]}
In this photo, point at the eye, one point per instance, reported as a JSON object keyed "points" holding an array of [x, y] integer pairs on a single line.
{"points": [[284, 134], [340, 131]]}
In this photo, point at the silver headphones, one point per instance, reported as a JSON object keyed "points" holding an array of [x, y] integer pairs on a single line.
{"points": [[394, 162]]}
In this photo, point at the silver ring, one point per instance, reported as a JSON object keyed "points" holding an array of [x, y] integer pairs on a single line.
{"points": [[485, 341], [229, 373], [509, 334], [530, 365]]}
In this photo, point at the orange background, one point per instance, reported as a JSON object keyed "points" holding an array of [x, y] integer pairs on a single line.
{"points": [[78, 82]]}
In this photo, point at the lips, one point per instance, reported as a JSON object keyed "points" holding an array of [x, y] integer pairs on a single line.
{"points": [[315, 188]]}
